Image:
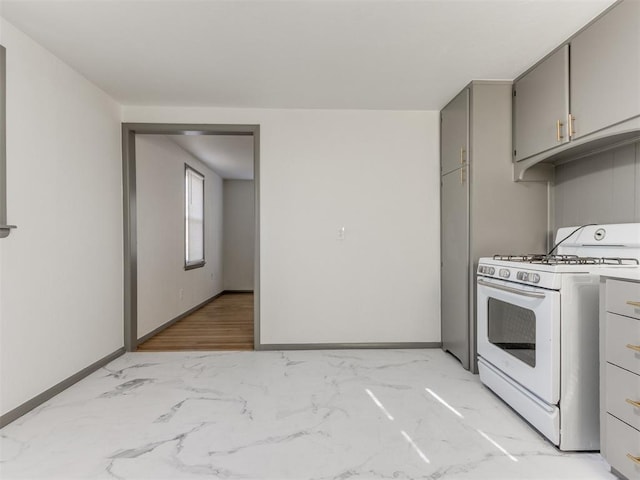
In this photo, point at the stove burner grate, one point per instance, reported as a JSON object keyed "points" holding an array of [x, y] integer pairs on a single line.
{"points": [[566, 259], [619, 261]]}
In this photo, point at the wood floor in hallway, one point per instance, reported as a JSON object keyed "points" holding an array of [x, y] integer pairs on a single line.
{"points": [[226, 323]]}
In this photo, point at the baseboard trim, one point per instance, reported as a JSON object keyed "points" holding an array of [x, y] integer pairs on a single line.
{"points": [[177, 319], [38, 400], [346, 346], [236, 291], [617, 473]]}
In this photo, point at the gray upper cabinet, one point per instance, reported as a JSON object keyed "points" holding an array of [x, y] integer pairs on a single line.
{"points": [[541, 106], [584, 95], [454, 132], [605, 70]]}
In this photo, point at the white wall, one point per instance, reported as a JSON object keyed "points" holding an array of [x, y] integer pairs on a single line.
{"points": [[61, 306], [239, 226], [374, 172], [160, 207]]}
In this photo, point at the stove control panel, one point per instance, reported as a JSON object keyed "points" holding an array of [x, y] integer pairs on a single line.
{"points": [[528, 277], [504, 273], [486, 270]]}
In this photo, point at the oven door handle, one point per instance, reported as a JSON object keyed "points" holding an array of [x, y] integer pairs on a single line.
{"points": [[524, 293]]}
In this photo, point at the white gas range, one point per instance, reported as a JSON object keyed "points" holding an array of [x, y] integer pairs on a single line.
{"points": [[538, 329]]}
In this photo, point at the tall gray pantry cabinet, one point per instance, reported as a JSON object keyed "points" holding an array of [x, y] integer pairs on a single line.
{"points": [[483, 211]]}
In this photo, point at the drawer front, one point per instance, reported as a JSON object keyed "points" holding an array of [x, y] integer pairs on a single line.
{"points": [[623, 298], [621, 439], [622, 333], [621, 386]]}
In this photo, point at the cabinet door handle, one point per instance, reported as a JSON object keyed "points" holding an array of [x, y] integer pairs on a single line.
{"points": [[634, 304], [462, 175], [635, 348], [572, 131], [462, 155], [559, 135], [633, 459], [632, 402]]}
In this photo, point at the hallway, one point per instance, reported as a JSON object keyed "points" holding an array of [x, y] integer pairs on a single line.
{"points": [[226, 323]]}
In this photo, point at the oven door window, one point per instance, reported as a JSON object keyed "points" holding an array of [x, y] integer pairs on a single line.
{"points": [[513, 329]]}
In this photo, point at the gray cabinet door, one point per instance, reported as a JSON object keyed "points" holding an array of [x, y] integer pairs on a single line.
{"points": [[455, 264], [541, 106], [454, 133], [605, 70]]}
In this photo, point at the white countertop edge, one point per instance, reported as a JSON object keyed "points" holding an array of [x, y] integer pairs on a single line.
{"points": [[631, 273]]}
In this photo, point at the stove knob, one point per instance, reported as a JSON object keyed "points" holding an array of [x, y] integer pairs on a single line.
{"points": [[524, 276], [534, 277], [504, 273], [492, 271]]}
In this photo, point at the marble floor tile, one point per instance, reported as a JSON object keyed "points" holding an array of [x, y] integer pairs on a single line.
{"points": [[347, 414]]}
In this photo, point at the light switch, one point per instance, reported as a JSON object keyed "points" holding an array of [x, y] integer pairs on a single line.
{"points": [[341, 233]]}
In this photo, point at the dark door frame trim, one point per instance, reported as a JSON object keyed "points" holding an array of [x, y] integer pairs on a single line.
{"points": [[129, 131]]}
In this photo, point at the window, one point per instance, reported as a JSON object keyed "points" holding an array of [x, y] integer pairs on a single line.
{"points": [[193, 218]]}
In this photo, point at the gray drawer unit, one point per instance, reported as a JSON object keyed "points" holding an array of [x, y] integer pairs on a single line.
{"points": [[620, 376], [624, 456], [623, 395], [623, 298], [623, 342]]}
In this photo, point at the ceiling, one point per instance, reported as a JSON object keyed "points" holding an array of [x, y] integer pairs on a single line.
{"points": [[230, 156], [330, 54]]}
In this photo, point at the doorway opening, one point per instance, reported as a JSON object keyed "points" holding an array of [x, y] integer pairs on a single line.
{"points": [[241, 299]]}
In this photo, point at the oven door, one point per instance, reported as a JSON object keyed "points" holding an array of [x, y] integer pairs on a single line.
{"points": [[519, 333]]}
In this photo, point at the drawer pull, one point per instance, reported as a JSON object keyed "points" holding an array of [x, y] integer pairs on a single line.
{"points": [[633, 459], [635, 348], [634, 304], [632, 402]]}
